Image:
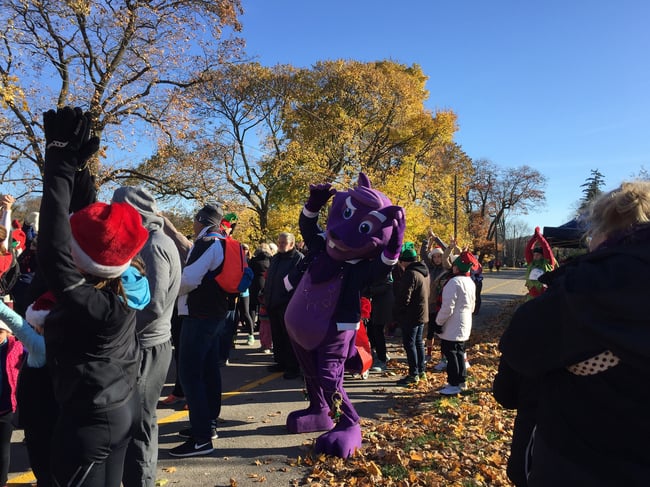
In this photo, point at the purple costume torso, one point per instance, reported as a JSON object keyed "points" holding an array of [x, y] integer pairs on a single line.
{"points": [[310, 312]]}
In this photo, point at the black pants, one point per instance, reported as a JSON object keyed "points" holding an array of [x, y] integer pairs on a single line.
{"points": [[38, 412], [454, 352], [6, 428], [377, 338], [282, 349], [479, 289], [90, 446], [177, 322]]}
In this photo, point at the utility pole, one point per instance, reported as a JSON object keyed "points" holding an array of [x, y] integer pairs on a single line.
{"points": [[455, 206], [496, 238]]}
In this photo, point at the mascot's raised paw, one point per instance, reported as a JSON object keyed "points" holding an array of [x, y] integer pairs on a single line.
{"points": [[341, 442], [319, 194]]}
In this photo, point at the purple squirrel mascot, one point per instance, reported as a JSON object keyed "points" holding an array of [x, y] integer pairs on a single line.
{"points": [[361, 244]]}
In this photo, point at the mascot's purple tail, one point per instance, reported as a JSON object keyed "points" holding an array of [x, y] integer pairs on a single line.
{"points": [[360, 245]]}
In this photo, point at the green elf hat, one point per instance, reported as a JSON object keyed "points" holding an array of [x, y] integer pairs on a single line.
{"points": [[465, 261], [229, 220], [408, 253]]}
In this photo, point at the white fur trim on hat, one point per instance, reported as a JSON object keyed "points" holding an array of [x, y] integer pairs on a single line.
{"points": [[36, 317], [86, 264], [435, 251]]}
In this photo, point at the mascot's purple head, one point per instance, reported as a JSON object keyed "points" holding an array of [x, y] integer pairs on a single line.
{"points": [[358, 225]]}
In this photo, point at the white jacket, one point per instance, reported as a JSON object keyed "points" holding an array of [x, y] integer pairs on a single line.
{"points": [[455, 315]]}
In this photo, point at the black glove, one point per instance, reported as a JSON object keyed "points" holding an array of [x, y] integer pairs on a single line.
{"points": [[86, 151], [67, 128]]}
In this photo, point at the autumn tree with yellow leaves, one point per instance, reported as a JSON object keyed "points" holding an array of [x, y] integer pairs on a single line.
{"points": [[264, 134]]}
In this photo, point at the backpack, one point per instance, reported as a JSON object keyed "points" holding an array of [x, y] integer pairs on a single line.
{"points": [[235, 276], [9, 278]]}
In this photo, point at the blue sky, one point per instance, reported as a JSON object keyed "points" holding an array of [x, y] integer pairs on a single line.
{"points": [[562, 86]]}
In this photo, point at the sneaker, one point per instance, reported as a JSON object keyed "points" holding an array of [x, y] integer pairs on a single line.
{"points": [[275, 368], [192, 449], [378, 366], [440, 366], [423, 377], [463, 386], [171, 400], [250, 340], [450, 390], [291, 374], [187, 432], [267, 351], [408, 380]]}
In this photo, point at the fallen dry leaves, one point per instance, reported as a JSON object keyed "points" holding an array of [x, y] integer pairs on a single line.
{"points": [[428, 439]]}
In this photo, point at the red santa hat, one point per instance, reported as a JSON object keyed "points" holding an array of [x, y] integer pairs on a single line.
{"points": [[105, 238], [39, 309], [19, 238]]}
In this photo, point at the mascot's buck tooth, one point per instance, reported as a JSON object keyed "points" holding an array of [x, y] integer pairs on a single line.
{"points": [[361, 244]]}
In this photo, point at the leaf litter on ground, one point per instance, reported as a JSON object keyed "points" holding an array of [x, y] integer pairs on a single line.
{"points": [[427, 439]]}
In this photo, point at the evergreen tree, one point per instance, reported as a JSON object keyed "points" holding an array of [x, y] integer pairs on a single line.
{"points": [[591, 188]]}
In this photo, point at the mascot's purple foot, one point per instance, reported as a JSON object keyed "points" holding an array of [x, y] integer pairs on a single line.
{"points": [[341, 442], [309, 420]]}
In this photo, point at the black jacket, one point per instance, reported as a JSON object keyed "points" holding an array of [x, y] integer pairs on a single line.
{"points": [[90, 340], [259, 264], [593, 304], [275, 292]]}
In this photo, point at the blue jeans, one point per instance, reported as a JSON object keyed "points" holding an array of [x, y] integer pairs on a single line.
{"points": [[226, 335], [200, 374], [414, 347]]}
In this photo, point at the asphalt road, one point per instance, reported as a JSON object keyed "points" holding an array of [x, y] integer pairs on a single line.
{"points": [[254, 447]]}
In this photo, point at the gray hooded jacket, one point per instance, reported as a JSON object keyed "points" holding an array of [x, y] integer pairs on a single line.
{"points": [[163, 269]]}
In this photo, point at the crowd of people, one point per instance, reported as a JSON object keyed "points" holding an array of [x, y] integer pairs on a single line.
{"points": [[120, 293]]}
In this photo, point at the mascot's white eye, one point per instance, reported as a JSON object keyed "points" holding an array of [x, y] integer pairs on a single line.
{"points": [[365, 227], [349, 209]]}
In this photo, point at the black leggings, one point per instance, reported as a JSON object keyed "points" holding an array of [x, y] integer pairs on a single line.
{"points": [[38, 412], [6, 428], [177, 322], [90, 446], [243, 304]]}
